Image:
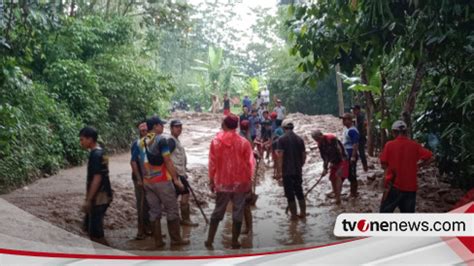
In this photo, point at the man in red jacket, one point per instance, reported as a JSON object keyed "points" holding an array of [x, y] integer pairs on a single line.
{"points": [[231, 165], [400, 159]]}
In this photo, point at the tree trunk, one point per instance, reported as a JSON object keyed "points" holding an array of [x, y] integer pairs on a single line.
{"points": [[72, 8], [127, 7], [383, 110], [340, 95], [52, 7], [60, 7], [92, 5], [409, 106], [369, 109]]}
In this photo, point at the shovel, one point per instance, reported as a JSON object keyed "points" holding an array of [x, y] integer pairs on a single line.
{"points": [[186, 183], [307, 192]]}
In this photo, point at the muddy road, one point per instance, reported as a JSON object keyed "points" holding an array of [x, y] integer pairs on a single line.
{"points": [[58, 199]]}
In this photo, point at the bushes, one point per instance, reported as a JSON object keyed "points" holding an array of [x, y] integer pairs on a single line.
{"points": [[77, 72], [34, 130], [74, 83]]}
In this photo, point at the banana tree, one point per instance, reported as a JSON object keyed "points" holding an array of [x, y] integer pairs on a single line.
{"points": [[218, 74]]}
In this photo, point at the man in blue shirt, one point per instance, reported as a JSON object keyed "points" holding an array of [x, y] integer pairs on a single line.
{"points": [[144, 226], [253, 120], [247, 102], [351, 145]]}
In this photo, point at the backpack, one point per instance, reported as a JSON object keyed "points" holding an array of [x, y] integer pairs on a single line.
{"points": [[153, 159]]}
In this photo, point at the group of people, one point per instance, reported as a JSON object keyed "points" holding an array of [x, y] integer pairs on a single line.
{"points": [[159, 176], [158, 165]]}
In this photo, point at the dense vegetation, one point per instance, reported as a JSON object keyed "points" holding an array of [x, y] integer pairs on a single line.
{"points": [[63, 68], [406, 59]]}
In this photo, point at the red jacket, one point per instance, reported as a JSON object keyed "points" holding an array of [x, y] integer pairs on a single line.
{"points": [[231, 162]]}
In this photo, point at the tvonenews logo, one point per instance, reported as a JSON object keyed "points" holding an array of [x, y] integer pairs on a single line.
{"points": [[403, 224]]}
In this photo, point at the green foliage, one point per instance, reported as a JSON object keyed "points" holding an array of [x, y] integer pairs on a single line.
{"points": [[74, 83], [37, 133], [60, 73], [287, 83], [410, 58]]}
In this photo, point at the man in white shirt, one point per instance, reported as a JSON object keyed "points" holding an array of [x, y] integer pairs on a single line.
{"points": [[280, 110], [265, 96]]}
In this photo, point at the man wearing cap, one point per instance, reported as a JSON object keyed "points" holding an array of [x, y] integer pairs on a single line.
{"points": [[334, 158], [144, 225], [362, 128], [351, 144], [400, 158], [159, 174], [280, 110], [178, 156], [231, 165], [291, 153]]}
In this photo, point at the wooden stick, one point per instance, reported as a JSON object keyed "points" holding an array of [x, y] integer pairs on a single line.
{"points": [[197, 202]]}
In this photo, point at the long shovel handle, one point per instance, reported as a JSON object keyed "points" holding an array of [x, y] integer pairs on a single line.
{"points": [[142, 205], [309, 190], [197, 202]]}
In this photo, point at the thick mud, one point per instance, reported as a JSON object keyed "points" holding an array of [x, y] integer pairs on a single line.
{"points": [[58, 199]]}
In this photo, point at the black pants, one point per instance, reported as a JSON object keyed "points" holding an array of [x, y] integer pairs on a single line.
{"points": [[353, 171], [404, 200], [292, 185], [363, 157], [94, 221]]}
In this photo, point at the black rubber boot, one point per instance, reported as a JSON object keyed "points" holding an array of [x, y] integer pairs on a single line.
{"points": [[292, 208], [236, 228], [302, 204], [212, 233], [157, 234], [185, 215], [354, 186], [247, 220]]}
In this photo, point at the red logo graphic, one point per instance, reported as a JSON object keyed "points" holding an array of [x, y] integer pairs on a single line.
{"points": [[363, 225], [468, 241]]}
